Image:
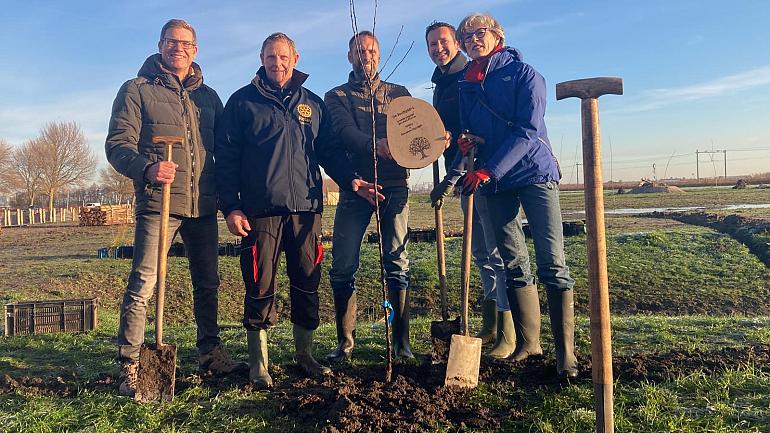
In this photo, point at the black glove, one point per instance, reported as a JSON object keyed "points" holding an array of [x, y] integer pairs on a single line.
{"points": [[440, 192]]}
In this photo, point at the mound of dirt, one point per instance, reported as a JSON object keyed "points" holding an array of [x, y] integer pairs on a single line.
{"points": [[360, 400], [646, 189]]}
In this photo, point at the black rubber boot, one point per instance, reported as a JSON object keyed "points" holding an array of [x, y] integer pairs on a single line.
{"points": [[303, 343], [525, 308], [399, 299], [258, 375], [345, 317], [488, 331], [561, 307]]}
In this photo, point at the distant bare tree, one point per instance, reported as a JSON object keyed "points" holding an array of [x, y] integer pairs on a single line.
{"points": [[65, 158], [5, 165], [25, 174], [116, 183]]}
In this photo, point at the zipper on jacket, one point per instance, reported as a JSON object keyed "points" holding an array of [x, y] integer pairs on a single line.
{"points": [[184, 97], [289, 150]]}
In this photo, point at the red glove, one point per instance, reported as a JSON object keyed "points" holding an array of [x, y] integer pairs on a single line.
{"points": [[473, 179], [465, 145], [467, 141]]}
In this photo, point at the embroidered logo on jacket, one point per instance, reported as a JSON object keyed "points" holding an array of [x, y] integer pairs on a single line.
{"points": [[305, 112]]}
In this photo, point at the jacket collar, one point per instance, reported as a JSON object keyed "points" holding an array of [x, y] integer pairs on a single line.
{"points": [[153, 70], [270, 90], [456, 65], [362, 85], [503, 58]]}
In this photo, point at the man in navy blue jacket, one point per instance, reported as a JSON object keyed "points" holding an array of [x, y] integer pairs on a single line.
{"points": [[273, 136]]}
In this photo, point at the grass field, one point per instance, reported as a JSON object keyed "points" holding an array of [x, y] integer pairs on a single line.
{"points": [[690, 334]]}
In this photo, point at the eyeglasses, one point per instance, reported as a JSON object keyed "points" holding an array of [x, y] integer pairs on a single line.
{"points": [[478, 34], [171, 43]]}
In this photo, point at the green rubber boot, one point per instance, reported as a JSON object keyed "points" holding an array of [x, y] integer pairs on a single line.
{"points": [[489, 325], [258, 375], [505, 343], [561, 308], [525, 308], [303, 343]]}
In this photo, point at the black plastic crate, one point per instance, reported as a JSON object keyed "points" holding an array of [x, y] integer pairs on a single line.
{"points": [[46, 317]]}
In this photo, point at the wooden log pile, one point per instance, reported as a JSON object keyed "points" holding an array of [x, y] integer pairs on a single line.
{"points": [[106, 215]]}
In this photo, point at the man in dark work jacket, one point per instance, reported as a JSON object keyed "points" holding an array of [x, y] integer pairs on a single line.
{"points": [[273, 136]]}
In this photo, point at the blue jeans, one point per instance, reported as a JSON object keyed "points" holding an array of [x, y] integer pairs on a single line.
{"points": [[350, 222], [485, 254], [201, 238], [541, 206]]}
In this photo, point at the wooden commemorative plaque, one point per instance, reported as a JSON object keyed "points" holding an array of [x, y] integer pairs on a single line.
{"points": [[415, 132]]}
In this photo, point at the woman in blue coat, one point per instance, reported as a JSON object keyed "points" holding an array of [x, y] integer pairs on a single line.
{"points": [[502, 106]]}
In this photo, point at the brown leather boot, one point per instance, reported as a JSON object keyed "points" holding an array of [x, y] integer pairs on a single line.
{"points": [[128, 378], [218, 361]]}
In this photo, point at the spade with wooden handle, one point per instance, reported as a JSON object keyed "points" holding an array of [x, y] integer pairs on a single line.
{"points": [[465, 351], [157, 362], [589, 90]]}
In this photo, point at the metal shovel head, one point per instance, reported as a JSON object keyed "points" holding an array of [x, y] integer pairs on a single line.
{"points": [[441, 332], [157, 373], [464, 361]]}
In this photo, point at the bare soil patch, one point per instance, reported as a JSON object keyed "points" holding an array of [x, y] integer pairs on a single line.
{"points": [[359, 399]]}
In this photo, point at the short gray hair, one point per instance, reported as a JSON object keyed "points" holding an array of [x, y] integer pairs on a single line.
{"points": [[179, 24], [479, 19], [278, 36]]}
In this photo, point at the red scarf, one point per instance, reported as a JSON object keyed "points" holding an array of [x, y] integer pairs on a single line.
{"points": [[478, 67]]}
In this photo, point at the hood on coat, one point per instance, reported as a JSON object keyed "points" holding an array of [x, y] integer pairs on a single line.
{"points": [[504, 58], [153, 70]]}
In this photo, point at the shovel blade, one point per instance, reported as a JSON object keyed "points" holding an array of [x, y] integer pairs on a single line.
{"points": [[441, 332], [464, 361], [157, 373]]}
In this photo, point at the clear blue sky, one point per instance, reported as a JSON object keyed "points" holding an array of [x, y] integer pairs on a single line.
{"points": [[697, 72]]}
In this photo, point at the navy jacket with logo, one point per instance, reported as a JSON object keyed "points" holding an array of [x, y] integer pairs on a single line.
{"points": [[269, 146]]}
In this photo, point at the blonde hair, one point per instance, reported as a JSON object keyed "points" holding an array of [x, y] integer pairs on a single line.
{"points": [[482, 20]]}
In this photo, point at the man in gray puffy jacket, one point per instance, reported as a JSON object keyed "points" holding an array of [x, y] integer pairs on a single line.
{"points": [[168, 97]]}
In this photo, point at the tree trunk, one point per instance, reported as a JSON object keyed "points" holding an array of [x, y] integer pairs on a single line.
{"points": [[51, 192]]}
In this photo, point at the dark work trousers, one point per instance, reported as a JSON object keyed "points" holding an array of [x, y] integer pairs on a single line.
{"points": [[298, 235]]}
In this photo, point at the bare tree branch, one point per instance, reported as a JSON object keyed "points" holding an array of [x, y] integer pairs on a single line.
{"points": [[392, 49], [5, 165], [25, 171], [116, 183], [64, 156], [400, 61]]}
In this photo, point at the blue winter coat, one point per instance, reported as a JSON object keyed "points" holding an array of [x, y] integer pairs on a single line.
{"points": [[515, 155]]}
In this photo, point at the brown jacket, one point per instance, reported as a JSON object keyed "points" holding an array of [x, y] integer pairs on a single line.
{"points": [[157, 103], [351, 114]]}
